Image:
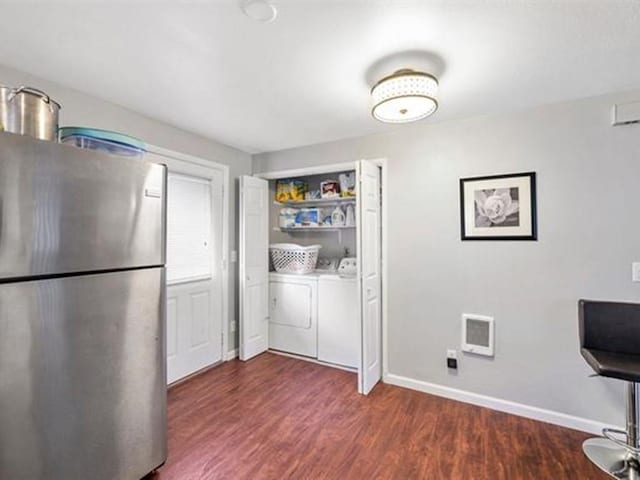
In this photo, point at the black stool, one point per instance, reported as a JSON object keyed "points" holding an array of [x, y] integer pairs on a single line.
{"points": [[610, 343]]}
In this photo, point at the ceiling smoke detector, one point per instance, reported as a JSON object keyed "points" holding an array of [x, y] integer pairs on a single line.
{"points": [[405, 96], [259, 10]]}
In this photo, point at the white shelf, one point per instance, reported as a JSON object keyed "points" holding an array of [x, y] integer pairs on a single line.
{"points": [[317, 202], [313, 229]]}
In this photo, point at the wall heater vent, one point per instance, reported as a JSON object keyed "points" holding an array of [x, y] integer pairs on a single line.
{"points": [[478, 334], [626, 114]]}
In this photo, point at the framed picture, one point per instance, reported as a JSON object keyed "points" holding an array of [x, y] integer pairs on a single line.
{"points": [[499, 207]]}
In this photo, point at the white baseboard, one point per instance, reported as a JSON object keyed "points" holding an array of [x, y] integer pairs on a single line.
{"points": [[535, 413], [230, 355]]}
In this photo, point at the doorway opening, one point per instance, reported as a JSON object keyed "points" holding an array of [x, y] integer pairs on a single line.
{"points": [[333, 314], [197, 277]]}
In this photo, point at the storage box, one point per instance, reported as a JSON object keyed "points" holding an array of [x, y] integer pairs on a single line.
{"points": [[287, 217], [308, 217], [103, 141], [291, 190], [103, 146]]}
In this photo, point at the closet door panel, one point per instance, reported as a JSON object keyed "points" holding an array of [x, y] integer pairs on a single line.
{"points": [[254, 267], [369, 273]]}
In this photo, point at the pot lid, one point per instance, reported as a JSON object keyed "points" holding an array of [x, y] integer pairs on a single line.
{"points": [[25, 90]]}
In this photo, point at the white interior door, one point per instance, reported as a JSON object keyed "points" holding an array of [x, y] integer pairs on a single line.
{"points": [[369, 273], [194, 293], [254, 266]]}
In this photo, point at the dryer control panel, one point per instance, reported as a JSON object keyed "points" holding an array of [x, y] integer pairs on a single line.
{"points": [[327, 265]]}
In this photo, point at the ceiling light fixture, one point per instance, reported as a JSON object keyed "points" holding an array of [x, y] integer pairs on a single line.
{"points": [[259, 10], [405, 96]]}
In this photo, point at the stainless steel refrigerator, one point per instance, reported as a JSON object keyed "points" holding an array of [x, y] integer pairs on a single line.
{"points": [[82, 313]]}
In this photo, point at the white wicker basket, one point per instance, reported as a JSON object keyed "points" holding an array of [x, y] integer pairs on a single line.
{"points": [[292, 258]]}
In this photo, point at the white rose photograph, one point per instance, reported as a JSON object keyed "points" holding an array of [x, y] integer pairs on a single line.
{"points": [[499, 207]]}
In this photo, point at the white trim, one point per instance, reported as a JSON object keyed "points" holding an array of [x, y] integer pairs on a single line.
{"points": [[226, 202], [185, 157], [522, 410], [230, 355], [314, 360], [196, 278], [361, 362], [300, 172], [203, 167]]}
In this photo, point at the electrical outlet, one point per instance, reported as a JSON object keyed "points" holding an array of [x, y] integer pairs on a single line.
{"points": [[234, 256], [635, 272], [452, 359], [233, 327]]}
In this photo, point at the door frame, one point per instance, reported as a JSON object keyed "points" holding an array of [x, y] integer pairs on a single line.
{"points": [[337, 167], [192, 165]]}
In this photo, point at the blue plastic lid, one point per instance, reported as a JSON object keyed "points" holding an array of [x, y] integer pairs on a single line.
{"points": [[103, 135]]}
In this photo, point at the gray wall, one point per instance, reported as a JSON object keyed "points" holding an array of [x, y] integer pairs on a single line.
{"points": [[84, 110], [589, 233]]}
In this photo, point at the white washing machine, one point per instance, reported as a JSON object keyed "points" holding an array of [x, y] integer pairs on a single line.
{"points": [[293, 319], [338, 323]]}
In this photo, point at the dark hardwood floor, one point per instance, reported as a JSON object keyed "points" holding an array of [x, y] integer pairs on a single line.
{"points": [[277, 418]]}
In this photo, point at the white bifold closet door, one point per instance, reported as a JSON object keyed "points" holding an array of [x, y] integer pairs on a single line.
{"points": [[254, 266], [369, 274]]}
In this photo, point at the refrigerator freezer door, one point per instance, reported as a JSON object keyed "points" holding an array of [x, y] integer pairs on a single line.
{"points": [[64, 209], [82, 377]]}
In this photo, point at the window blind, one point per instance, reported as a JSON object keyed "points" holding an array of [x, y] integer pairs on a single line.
{"points": [[189, 249]]}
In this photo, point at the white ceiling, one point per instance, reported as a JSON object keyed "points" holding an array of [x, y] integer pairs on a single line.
{"points": [[305, 78]]}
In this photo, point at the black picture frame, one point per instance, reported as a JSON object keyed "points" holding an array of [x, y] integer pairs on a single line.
{"points": [[492, 231]]}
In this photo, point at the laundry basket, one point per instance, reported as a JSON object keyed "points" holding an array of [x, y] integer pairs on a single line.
{"points": [[292, 258]]}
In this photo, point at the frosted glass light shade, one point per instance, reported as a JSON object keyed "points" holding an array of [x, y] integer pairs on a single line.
{"points": [[405, 96], [260, 10]]}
